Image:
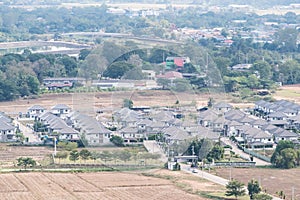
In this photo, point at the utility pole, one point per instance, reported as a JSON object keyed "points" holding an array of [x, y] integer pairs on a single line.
{"points": [[54, 146]]}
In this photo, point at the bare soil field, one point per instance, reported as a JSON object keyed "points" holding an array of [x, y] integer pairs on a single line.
{"points": [[271, 180], [9, 154], [104, 186], [90, 102]]}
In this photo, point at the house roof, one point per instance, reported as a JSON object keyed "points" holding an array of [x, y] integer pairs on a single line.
{"points": [[277, 115], [60, 107], [208, 115], [36, 107], [4, 126], [245, 119], [269, 127], [128, 130], [5, 118], [175, 133], [259, 122], [234, 114], [261, 103], [221, 105], [146, 122], [163, 116], [170, 75], [286, 134], [205, 133]]}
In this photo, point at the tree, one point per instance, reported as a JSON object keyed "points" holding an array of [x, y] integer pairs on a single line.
{"points": [[117, 140], [253, 188], [284, 155], [118, 69], [205, 148], [210, 102], [263, 68], [95, 155], [216, 153], [61, 155], [74, 155], [84, 154], [181, 85], [127, 103], [105, 155], [124, 155], [165, 83], [69, 146], [262, 196], [235, 188], [26, 161]]}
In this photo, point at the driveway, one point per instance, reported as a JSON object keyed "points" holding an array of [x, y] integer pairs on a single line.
{"points": [[27, 132], [238, 151], [153, 147]]}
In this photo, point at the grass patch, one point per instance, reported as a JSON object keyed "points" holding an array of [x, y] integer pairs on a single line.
{"points": [[220, 196]]}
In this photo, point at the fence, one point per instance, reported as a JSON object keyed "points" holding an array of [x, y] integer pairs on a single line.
{"points": [[257, 155], [234, 164]]}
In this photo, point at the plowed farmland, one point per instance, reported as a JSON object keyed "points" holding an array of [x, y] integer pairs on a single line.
{"points": [[104, 186]]}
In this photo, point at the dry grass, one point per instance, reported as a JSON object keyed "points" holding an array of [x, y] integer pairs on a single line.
{"points": [[271, 180], [106, 185]]}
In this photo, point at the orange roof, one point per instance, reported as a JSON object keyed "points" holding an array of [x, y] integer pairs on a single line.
{"points": [[170, 75]]}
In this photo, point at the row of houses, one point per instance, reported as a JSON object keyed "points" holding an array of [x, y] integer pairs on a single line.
{"points": [[247, 129], [67, 125], [135, 126]]}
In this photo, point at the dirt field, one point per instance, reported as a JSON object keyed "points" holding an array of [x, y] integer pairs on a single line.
{"points": [[105, 185], [271, 180], [9, 154], [90, 102]]}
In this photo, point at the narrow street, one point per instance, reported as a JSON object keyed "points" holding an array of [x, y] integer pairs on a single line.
{"points": [[153, 147], [238, 151], [27, 132]]}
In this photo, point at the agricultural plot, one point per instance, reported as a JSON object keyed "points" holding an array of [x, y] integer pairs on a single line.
{"points": [[9, 154], [104, 186], [271, 180]]}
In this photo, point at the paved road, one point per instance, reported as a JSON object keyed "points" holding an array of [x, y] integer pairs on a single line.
{"points": [[235, 149], [153, 147], [27, 132]]}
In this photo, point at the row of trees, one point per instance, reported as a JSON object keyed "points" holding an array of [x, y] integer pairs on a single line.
{"points": [[206, 150], [236, 188], [122, 155]]}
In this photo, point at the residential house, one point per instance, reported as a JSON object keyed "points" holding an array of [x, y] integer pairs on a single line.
{"points": [[231, 128], [201, 132], [177, 61], [34, 111], [207, 117], [7, 129], [56, 127], [222, 107], [170, 75], [241, 67], [126, 117], [174, 135], [61, 110], [282, 134], [95, 133], [131, 135], [256, 138]]}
